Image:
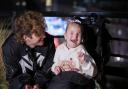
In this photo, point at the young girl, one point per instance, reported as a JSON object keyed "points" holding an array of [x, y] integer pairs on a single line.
{"points": [[73, 66]]}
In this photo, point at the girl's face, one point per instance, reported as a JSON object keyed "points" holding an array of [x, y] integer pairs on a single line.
{"points": [[34, 40], [73, 35]]}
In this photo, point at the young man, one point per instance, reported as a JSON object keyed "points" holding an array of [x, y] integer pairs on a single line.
{"points": [[28, 53]]}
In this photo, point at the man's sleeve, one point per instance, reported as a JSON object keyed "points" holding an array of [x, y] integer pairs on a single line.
{"points": [[14, 74], [10, 60]]}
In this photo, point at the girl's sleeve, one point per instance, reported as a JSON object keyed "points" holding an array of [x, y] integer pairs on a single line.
{"points": [[56, 59], [89, 67]]}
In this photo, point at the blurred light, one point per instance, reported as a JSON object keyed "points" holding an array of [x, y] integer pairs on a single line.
{"points": [[24, 3], [119, 32], [18, 3], [118, 59], [83, 17], [48, 2]]}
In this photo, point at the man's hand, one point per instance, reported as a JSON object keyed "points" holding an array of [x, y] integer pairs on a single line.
{"points": [[32, 87], [28, 86], [36, 87]]}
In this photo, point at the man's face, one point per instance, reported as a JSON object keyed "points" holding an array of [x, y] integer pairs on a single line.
{"points": [[34, 40], [73, 35]]}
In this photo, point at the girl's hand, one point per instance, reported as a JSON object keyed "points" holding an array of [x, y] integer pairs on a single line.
{"points": [[81, 57], [57, 70]]}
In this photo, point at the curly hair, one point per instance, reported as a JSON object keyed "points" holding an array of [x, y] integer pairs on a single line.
{"points": [[27, 23]]}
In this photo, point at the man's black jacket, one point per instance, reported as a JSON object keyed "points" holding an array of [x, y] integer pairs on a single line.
{"points": [[26, 65]]}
